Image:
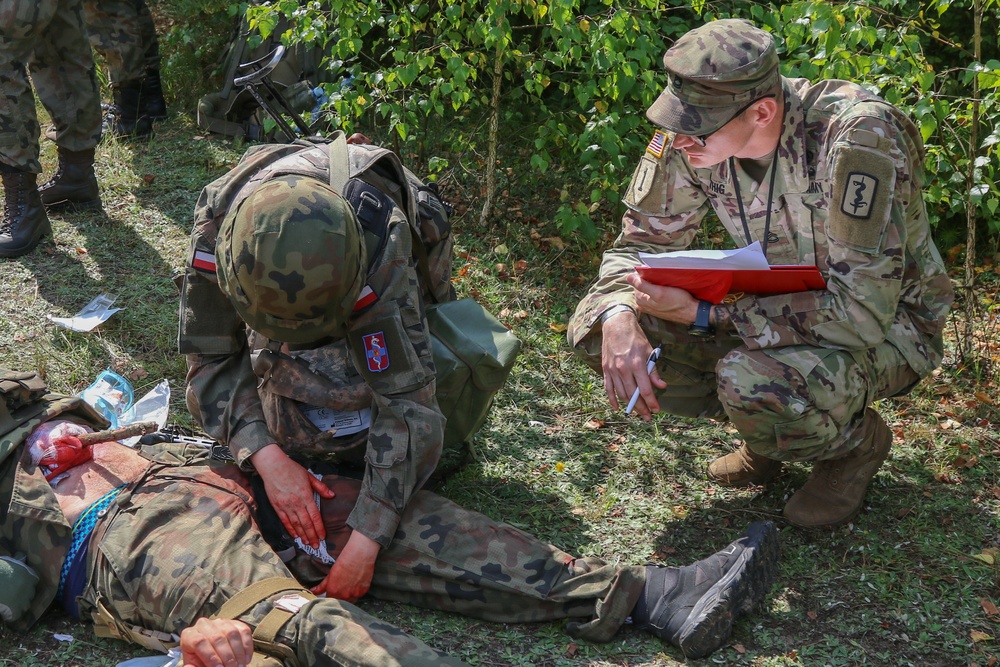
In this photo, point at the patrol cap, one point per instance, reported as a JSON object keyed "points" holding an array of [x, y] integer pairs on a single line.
{"points": [[714, 71], [292, 261]]}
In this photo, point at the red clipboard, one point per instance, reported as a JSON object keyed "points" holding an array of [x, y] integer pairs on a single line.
{"points": [[714, 284]]}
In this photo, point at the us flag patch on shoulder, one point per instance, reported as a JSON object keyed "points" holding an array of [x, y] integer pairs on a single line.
{"points": [[204, 261], [657, 144]]}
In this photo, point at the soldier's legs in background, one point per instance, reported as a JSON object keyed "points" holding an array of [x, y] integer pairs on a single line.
{"points": [[18, 121], [115, 33], [151, 99], [62, 70], [23, 221]]}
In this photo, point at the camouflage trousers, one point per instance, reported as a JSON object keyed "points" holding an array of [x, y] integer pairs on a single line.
{"points": [[48, 38], [123, 32], [794, 403], [185, 540]]}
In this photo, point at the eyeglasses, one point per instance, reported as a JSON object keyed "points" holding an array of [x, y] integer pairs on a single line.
{"points": [[702, 139]]}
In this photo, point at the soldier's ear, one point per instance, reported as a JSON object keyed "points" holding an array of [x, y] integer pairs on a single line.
{"points": [[763, 111]]}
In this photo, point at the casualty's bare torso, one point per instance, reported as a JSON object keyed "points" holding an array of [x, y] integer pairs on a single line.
{"points": [[113, 465]]}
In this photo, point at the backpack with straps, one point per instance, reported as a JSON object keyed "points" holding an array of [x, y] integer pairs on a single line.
{"points": [[473, 351], [234, 111]]}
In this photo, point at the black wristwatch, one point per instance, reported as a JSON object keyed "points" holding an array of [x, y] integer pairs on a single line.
{"points": [[702, 325]]}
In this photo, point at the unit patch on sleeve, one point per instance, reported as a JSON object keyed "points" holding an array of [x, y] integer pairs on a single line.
{"points": [[864, 181], [859, 195], [643, 180], [376, 351]]}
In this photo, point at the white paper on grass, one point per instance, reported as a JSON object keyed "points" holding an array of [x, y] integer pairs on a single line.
{"points": [[153, 407], [750, 257], [95, 312]]}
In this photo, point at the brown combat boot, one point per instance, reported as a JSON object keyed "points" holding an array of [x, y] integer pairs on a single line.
{"points": [[742, 468], [24, 221], [836, 489], [74, 183]]}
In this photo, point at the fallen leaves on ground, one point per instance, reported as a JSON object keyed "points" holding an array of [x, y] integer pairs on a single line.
{"points": [[979, 636]]}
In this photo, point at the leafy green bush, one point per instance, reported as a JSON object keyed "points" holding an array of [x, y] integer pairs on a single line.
{"points": [[579, 74], [192, 45], [898, 50]]}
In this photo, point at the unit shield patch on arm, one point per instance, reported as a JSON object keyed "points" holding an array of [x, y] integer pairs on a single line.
{"points": [[863, 185]]}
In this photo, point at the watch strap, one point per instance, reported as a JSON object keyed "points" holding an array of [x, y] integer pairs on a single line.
{"points": [[702, 322]]}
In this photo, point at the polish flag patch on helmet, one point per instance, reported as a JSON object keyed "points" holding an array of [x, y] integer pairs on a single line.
{"points": [[376, 352], [204, 261]]}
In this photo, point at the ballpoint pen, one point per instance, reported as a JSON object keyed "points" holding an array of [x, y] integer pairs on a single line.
{"points": [[650, 365]]}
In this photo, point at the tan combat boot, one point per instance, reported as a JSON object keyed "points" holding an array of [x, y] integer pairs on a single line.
{"points": [[742, 468], [836, 489]]}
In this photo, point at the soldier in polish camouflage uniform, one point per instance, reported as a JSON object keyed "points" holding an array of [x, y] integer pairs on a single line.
{"points": [[47, 38], [174, 538], [289, 308], [824, 174]]}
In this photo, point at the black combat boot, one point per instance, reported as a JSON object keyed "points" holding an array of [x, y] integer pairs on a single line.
{"points": [[74, 183], [693, 607], [24, 221], [151, 98], [126, 117]]}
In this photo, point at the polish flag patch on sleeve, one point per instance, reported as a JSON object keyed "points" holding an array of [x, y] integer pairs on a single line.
{"points": [[365, 299], [204, 261]]}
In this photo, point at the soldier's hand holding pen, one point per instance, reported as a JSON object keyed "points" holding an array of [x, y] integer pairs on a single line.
{"points": [[625, 354]]}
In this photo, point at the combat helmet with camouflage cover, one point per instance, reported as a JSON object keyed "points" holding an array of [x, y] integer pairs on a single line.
{"points": [[714, 71], [292, 261]]}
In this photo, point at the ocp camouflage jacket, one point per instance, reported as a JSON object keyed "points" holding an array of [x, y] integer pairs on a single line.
{"points": [[841, 147]]}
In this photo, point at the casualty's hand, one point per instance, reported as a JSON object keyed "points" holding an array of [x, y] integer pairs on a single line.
{"points": [[290, 489], [624, 353], [351, 576], [666, 303], [217, 642]]}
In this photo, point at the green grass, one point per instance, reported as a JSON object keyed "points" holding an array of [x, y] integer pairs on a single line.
{"points": [[900, 586]]}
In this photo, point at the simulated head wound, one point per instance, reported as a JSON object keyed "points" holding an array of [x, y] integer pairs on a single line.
{"points": [[714, 71], [291, 259]]}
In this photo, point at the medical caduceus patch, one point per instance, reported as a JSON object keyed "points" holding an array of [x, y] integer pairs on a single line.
{"points": [[376, 351], [859, 195]]}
